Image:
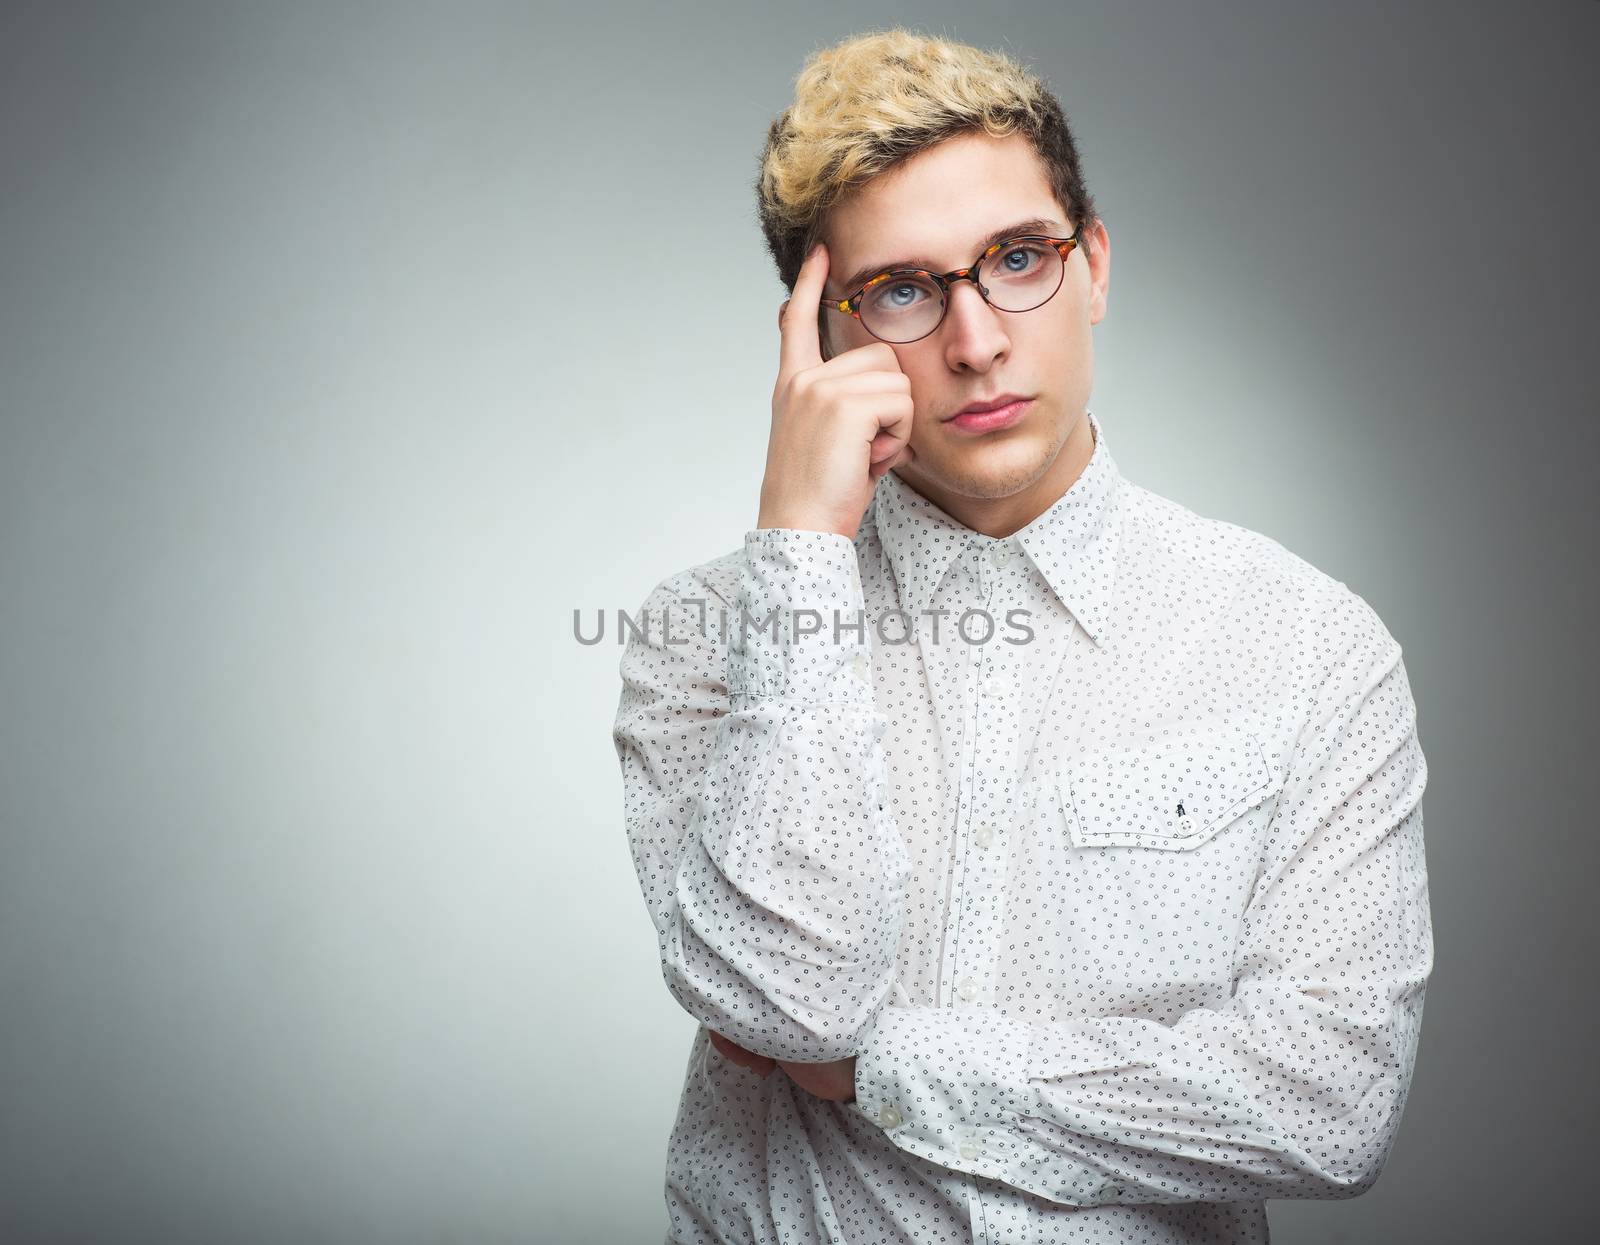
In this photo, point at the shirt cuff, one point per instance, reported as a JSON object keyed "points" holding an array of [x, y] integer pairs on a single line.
{"points": [[799, 627], [940, 1083]]}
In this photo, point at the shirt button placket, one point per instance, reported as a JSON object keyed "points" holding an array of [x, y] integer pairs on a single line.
{"points": [[980, 870]]}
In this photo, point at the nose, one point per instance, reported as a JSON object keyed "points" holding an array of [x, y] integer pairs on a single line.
{"points": [[973, 331]]}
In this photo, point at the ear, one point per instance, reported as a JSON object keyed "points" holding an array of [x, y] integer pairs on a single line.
{"points": [[1098, 252]]}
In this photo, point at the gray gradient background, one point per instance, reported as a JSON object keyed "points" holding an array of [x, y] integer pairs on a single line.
{"points": [[347, 349]]}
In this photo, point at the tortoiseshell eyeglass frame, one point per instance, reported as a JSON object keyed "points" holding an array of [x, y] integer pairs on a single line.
{"points": [[851, 306]]}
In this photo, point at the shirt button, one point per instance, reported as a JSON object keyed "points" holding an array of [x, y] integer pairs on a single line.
{"points": [[984, 835], [1000, 554], [971, 1149], [968, 989], [888, 1116], [863, 667]]}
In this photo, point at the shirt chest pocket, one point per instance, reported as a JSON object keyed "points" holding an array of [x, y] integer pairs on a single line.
{"points": [[1173, 796]]}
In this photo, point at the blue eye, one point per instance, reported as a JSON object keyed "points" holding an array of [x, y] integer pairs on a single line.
{"points": [[1023, 252], [901, 295]]}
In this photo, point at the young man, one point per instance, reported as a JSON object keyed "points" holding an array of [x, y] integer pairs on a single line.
{"points": [[1042, 860]]}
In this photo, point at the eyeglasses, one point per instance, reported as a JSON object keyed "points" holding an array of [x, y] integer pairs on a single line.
{"points": [[906, 304]]}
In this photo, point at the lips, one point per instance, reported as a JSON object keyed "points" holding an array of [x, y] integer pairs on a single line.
{"points": [[990, 404], [994, 420]]}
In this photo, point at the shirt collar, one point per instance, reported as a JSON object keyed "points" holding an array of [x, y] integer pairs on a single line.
{"points": [[1074, 543]]}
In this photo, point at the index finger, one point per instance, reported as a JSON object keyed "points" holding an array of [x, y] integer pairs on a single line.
{"points": [[802, 346]]}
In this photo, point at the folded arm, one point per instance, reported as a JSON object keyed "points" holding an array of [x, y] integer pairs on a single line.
{"points": [[1294, 1088]]}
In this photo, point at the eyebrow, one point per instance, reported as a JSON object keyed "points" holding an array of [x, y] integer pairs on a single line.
{"points": [[1035, 224]]}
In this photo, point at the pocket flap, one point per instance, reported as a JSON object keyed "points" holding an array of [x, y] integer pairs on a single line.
{"points": [[1172, 795]]}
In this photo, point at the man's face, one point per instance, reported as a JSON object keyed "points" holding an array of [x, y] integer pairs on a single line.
{"points": [[941, 205]]}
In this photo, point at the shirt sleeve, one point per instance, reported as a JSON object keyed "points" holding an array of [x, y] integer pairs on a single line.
{"points": [[754, 790], [1295, 1088]]}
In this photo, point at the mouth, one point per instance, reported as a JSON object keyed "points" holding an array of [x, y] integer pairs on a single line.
{"points": [[1001, 412]]}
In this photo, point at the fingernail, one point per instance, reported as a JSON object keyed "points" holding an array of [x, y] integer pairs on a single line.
{"points": [[815, 247]]}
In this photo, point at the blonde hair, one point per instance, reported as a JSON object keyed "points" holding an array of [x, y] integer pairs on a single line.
{"points": [[870, 102]]}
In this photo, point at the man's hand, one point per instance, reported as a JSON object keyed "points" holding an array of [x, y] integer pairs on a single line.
{"points": [[837, 425], [761, 1065], [834, 1081]]}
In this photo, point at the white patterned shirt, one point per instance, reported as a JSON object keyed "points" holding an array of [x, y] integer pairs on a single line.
{"points": [[1123, 912]]}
